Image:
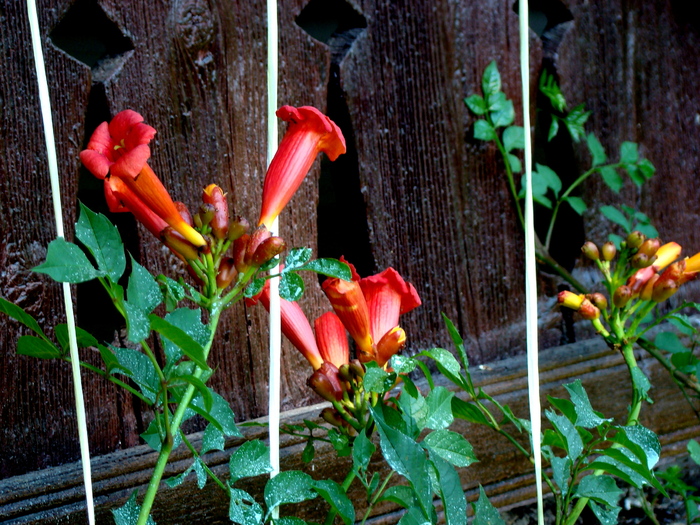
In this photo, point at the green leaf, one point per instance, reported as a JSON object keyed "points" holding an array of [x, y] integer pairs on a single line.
{"points": [[467, 411], [296, 258], [476, 104], [182, 339], [204, 391], [172, 291], [291, 286], [340, 443], [289, 486], [251, 459], [452, 447], [138, 367], [405, 456], [457, 340], [484, 131], [449, 488], [575, 121], [84, 339], [102, 239], [362, 450], [484, 512], [309, 452], [18, 314], [414, 516], [694, 451], [330, 268], [402, 364], [635, 174], [550, 177], [606, 515], [577, 204], [447, 365], [566, 429], [628, 153], [491, 80], [197, 468], [37, 347], [496, 102], [553, 128], [513, 138], [561, 472], [213, 439], [110, 360], [646, 168], [504, 116], [439, 403], [377, 380], [669, 342], [189, 321], [601, 489], [611, 178], [143, 291], [597, 151], [641, 383], [337, 499], [616, 216], [254, 288], [129, 513], [514, 162], [399, 494], [414, 409], [585, 415], [641, 441], [66, 263], [243, 509], [220, 413]]}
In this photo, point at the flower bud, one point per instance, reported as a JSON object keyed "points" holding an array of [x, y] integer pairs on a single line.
{"points": [[227, 273], [214, 195], [256, 239], [622, 296], [267, 250], [325, 382], [570, 299], [331, 416], [357, 368], [599, 300], [206, 213], [642, 260], [650, 247], [237, 227], [590, 250], [674, 272], [240, 247], [392, 342], [184, 213], [645, 294], [663, 290], [178, 244], [588, 310], [345, 372], [635, 239], [608, 251]]}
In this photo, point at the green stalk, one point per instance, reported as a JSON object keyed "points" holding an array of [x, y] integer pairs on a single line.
{"points": [[204, 465], [377, 494]]}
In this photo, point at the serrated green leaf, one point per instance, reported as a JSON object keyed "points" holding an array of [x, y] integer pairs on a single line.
{"points": [[597, 151], [83, 339], [635, 174], [553, 128], [66, 263], [694, 451], [505, 116], [340, 443], [143, 291], [18, 314], [402, 364], [491, 80], [616, 216], [309, 452], [646, 168], [575, 121], [251, 459], [514, 162], [439, 403], [484, 131], [585, 415], [457, 340], [196, 467], [377, 380], [138, 367], [255, 287], [34, 346], [329, 268], [513, 138], [629, 153], [182, 339], [484, 512], [452, 447], [561, 472], [220, 413], [400, 495], [212, 439], [296, 258], [577, 204], [405, 456], [102, 240], [337, 499], [289, 486], [476, 104], [362, 450], [642, 442], [467, 411], [605, 515], [129, 513], [601, 489], [449, 488], [243, 509], [566, 429], [549, 176], [447, 365], [611, 178], [291, 286]]}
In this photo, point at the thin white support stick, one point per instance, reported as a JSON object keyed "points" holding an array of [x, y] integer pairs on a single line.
{"points": [[45, 103], [530, 266], [275, 319]]}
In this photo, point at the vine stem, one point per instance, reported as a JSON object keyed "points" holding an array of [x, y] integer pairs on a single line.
{"points": [[167, 447]]}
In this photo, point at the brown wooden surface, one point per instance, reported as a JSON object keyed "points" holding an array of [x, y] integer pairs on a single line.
{"points": [[435, 202], [501, 469]]}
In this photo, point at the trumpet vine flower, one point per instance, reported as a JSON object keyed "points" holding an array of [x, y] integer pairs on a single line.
{"points": [[310, 132]]}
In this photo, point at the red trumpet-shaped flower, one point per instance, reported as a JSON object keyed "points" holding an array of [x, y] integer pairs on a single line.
{"points": [[370, 309], [117, 153], [310, 132]]}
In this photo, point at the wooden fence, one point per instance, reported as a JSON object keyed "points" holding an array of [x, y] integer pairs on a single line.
{"points": [[416, 191]]}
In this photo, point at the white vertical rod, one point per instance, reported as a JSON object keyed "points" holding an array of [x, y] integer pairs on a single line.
{"points": [[275, 319], [530, 265], [45, 104]]}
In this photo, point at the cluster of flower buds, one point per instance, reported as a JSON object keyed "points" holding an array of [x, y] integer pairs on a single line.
{"points": [[583, 304]]}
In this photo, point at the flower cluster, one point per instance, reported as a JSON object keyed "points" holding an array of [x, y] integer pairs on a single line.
{"points": [[368, 309], [118, 153], [646, 272]]}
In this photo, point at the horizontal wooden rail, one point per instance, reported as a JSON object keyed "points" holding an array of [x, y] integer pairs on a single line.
{"points": [[55, 495]]}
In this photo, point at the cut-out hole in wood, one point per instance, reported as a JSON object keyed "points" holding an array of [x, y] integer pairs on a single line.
{"points": [[328, 19], [88, 35], [544, 15]]}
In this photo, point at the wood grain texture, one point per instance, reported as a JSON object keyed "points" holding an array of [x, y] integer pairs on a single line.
{"points": [[502, 471]]}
